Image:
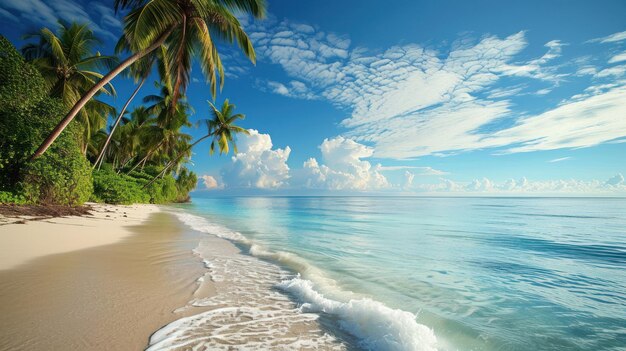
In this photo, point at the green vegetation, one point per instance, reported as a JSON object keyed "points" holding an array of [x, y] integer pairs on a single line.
{"points": [[63, 175], [186, 29], [141, 157]]}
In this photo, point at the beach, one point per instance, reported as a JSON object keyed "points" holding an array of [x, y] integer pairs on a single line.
{"points": [[103, 282], [109, 281], [315, 273]]}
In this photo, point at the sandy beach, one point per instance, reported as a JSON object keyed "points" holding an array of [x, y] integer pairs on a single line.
{"points": [[137, 277], [104, 282]]}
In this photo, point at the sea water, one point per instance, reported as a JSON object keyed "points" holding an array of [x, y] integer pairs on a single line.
{"points": [[415, 273]]}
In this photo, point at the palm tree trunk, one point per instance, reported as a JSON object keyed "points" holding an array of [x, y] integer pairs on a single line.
{"points": [[117, 121], [147, 156], [95, 89], [172, 162]]}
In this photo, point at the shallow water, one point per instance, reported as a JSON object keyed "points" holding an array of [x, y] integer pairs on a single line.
{"points": [[444, 273]]}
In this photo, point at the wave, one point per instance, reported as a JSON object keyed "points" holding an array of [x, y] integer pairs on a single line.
{"points": [[375, 325]]}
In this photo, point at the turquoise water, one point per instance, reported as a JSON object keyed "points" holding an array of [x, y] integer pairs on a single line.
{"points": [[482, 273]]}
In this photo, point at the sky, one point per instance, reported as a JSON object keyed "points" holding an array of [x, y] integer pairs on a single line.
{"points": [[413, 98]]}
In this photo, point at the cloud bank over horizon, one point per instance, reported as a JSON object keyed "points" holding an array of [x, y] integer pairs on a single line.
{"points": [[344, 167]]}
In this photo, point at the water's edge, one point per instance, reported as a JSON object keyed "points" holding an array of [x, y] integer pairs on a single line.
{"points": [[370, 324]]}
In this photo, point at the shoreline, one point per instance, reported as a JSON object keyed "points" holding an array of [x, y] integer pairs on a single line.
{"points": [[110, 291], [143, 278]]}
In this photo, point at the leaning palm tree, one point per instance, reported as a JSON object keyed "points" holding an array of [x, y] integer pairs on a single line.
{"points": [[185, 27], [221, 127], [139, 72]]}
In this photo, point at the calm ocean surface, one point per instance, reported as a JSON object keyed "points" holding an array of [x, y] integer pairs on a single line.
{"points": [[482, 273]]}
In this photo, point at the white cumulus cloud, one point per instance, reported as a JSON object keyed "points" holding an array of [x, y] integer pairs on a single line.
{"points": [[257, 165], [209, 182], [343, 168]]}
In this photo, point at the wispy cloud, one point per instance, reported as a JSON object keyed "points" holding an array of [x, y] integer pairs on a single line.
{"points": [[560, 159], [100, 16], [294, 88], [410, 101], [615, 37], [420, 171], [618, 58]]}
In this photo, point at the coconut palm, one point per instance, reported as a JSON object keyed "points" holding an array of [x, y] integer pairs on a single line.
{"points": [[67, 60], [139, 72], [221, 127], [69, 66], [186, 28], [168, 121]]}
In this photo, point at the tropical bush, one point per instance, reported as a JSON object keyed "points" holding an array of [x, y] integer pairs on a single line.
{"points": [[114, 188], [7, 197], [27, 114]]}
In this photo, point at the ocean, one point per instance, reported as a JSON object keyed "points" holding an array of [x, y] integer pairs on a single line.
{"points": [[417, 273]]}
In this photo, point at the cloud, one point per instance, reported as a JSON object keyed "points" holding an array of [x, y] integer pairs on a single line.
{"points": [[99, 16], [587, 122], [618, 58], [615, 181], [343, 168], [422, 171], [8, 15], [257, 165], [616, 71], [409, 101], [209, 182], [408, 179], [522, 186], [560, 159], [615, 37], [294, 89]]}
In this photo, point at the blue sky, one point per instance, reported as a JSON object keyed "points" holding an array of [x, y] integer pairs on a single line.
{"points": [[417, 97]]}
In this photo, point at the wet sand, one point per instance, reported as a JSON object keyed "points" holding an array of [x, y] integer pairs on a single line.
{"points": [[108, 297]]}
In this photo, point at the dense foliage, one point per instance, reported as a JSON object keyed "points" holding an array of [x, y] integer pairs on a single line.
{"points": [[27, 113], [141, 156], [134, 187]]}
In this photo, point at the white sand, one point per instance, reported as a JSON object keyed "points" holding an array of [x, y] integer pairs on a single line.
{"points": [[20, 243]]}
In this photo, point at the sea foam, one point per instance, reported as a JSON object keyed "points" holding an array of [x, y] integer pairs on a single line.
{"points": [[375, 325]]}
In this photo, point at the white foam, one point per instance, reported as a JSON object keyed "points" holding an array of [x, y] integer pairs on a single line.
{"points": [[202, 225], [377, 326]]}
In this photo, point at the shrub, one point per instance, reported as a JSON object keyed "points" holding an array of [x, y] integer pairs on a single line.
{"points": [[62, 175], [7, 197], [21, 84], [115, 188], [163, 190]]}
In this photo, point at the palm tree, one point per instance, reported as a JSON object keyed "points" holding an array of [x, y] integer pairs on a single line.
{"points": [[185, 27], [169, 121], [69, 66], [221, 127], [67, 62], [139, 72]]}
